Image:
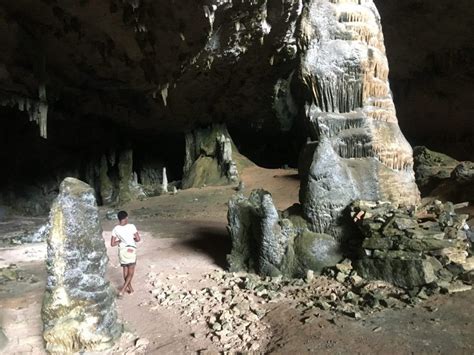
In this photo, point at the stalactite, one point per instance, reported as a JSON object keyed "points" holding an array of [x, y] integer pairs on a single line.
{"points": [[37, 110]]}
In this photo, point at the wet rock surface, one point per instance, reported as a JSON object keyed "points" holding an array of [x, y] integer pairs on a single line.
{"points": [[79, 304], [427, 247]]}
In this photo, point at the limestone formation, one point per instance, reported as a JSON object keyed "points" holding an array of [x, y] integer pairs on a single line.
{"points": [[356, 149], [443, 177], [211, 158], [360, 151], [269, 244], [412, 250], [125, 169], [164, 182], [37, 109], [79, 312], [431, 168], [106, 187]]}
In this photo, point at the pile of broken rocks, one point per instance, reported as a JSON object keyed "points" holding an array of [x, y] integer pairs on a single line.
{"points": [[232, 307], [427, 249], [415, 253], [227, 307]]}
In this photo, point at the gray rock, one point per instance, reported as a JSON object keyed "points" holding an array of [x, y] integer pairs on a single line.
{"points": [[79, 310], [402, 273], [259, 239], [464, 172], [431, 167], [315, 251], [211, 158]]}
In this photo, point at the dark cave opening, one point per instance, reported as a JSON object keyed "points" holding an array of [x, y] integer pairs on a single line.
{"points": [[34, 167], [155, 151], [269, 149]]}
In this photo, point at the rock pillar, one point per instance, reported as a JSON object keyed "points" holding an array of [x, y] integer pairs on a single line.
{"points": [[361, 152], [211, 158], [79, 312]]}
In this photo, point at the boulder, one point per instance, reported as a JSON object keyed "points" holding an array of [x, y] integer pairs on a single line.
{"points": [[402, 273], [431, 167], [464, 172], [79, 311], [315, 251]]}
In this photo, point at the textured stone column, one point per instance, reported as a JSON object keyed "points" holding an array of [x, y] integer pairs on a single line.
{"points": [[79, 312], [360, 151], [211, 158]]}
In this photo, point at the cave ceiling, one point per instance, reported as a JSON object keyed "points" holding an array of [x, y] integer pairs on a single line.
{"points": [[170, 65]]}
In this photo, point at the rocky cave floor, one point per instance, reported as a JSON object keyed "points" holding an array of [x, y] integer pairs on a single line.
{"points": [[185, 302]]}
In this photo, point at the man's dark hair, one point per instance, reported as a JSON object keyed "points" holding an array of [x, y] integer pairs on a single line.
{"points": [[122, 215]]}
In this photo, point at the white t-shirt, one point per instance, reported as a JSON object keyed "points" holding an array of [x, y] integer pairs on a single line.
{"points": [[125, 234]]}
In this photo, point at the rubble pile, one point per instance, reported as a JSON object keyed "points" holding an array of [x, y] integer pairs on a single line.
{"points": [[233, 306], [228, 308], [412, 249]]}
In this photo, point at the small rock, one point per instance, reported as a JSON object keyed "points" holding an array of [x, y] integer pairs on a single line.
{"points": [[345, 266], [356, 280], [341, 277], [111, 215], [458, 287], [142, 342]]}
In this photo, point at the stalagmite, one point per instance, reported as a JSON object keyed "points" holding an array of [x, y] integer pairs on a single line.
{"points": [[79, 312], [345, 69], [164, 183]]}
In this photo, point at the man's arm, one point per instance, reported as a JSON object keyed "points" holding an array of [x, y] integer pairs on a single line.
{"points": [[114, 241], [136, 237]]}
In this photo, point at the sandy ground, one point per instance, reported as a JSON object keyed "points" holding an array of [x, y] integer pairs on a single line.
{"points": [[184, 237]]}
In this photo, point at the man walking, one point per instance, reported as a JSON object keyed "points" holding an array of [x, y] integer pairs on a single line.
{"points": [[125, 235]]}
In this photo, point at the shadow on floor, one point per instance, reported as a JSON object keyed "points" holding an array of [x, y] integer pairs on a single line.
{"points": [[288, 177], [213, 241]]}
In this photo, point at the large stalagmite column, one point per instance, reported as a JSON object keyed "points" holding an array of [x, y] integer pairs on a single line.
{"points": [[79, 311], [360, 151]]}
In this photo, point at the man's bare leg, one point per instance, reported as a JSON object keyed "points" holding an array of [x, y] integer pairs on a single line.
{"points": [[128, 280], [125, 274]]}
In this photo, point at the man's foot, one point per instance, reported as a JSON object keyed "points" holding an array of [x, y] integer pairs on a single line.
{"points": [[130, 289]]}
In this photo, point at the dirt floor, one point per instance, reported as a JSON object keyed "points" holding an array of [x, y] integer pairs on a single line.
{"points": [[185, 241]]}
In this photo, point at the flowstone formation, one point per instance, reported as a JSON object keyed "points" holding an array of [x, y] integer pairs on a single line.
{"points": [[355, 149], [211, 158], [360, 150], [79, 311]]}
